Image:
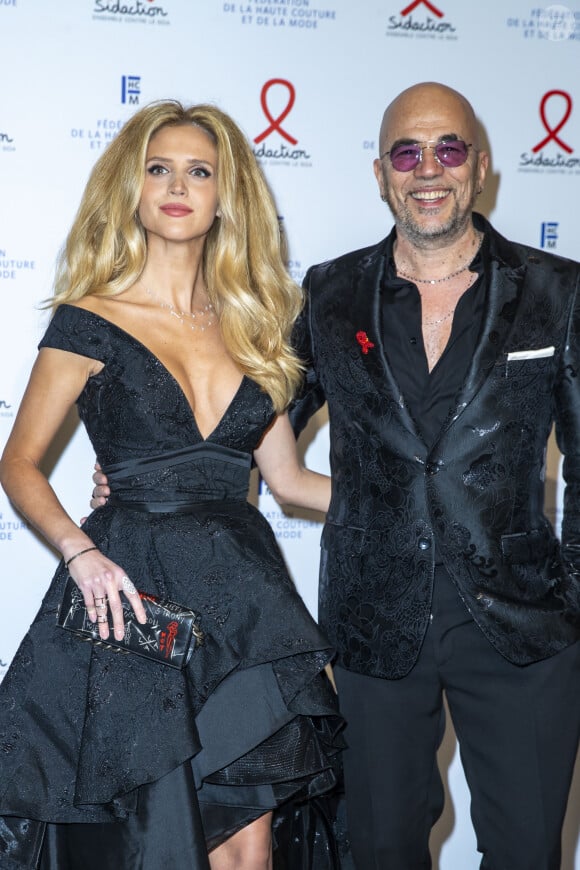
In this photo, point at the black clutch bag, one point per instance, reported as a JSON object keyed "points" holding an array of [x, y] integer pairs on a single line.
{"points": [[169, 636]]}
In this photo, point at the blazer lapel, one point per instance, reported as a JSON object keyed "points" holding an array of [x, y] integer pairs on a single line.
{"points": [[366, 322], [502, 300]]}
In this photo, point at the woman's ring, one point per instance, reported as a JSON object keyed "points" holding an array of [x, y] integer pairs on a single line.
{"points": [[128, 586]]}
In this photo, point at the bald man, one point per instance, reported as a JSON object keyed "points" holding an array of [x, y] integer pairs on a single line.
{"points": [[445, 354]]}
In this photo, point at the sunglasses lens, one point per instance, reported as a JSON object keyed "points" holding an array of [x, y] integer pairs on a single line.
{"points": [[451, 153], [405, 157]]}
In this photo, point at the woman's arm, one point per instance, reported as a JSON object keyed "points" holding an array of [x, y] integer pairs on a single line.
{"points": [[289, 481], [56, 381]]}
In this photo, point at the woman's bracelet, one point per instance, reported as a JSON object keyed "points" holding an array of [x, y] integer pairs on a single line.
{"points": [[80, 553]]}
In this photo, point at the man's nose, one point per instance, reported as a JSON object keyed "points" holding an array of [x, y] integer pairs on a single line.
{"points": [[428, 165]]}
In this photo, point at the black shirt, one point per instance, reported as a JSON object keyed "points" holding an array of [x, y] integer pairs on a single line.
{"points": [[429, 396]]}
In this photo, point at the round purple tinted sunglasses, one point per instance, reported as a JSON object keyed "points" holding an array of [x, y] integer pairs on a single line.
{"points": [[406, 157]]}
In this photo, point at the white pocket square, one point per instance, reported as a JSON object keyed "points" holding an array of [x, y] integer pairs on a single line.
{"points": [[540, 353]]}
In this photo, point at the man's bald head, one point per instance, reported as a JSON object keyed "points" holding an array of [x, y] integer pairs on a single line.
{"points": [[422, 105]]}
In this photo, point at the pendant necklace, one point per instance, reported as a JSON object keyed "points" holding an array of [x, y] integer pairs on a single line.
{"points": [[452, 310], [200, 318], [439, 320]]}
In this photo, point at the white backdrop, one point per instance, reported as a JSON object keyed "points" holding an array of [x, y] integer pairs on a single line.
{"points": [[308, 81]]}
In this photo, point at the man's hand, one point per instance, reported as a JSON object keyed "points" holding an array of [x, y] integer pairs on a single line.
{"points": [[101, 491]]}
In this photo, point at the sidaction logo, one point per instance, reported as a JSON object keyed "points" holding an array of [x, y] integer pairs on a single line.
{"points": [[421, 19], [143, 11], [277, 143], [553, 152]]}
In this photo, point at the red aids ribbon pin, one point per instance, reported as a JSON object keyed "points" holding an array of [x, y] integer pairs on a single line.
{"points": [[364, 341]]}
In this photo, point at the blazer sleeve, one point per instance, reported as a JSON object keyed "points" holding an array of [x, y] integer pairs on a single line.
{"points": [[311, 395], [567, 416]]}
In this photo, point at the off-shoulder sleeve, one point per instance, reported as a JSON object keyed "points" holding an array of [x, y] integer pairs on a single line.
{"points": [[77, 331]]}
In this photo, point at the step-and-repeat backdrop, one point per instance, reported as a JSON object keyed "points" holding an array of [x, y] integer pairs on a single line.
{"points": [[307, 80]]}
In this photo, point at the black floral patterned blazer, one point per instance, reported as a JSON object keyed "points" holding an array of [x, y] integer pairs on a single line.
{"points": [[476, 498]]}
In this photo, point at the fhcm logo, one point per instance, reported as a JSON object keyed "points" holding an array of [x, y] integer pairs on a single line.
{"points": [[130, 89]]}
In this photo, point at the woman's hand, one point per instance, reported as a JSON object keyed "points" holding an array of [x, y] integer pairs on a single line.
{"points": [[101, 581]]}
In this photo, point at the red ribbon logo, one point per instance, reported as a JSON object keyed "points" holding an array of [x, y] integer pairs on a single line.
{"points": [[275, 123], [364, 341], [412, 6], [553, 131]]}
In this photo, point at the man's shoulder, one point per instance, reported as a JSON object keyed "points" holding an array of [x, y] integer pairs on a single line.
{"points": [[539, 257], [345, 264], [517, 254]]}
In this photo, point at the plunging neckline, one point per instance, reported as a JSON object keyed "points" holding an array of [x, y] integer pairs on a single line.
{"points": [[168, 373]]}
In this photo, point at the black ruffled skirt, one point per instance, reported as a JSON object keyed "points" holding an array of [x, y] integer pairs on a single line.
{"points": [[117, 761]]}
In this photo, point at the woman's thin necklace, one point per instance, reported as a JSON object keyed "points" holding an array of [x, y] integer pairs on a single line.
{"points": [[200, 318]]}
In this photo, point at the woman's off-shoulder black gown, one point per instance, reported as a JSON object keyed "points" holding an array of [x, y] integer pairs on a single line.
{"points": [[115, 761]]}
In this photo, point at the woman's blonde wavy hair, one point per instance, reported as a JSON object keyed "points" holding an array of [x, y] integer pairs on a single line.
{"points": [[255, 298]]}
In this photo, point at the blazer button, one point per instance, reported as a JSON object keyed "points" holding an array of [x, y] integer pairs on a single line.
{"points": [[424, 544], [432, 468]]}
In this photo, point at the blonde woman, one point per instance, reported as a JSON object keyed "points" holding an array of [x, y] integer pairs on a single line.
{"points": [[172, 316]]}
